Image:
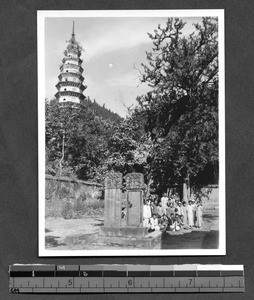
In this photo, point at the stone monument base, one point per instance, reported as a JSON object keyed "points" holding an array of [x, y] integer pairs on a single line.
{"points": [[126, 232]]}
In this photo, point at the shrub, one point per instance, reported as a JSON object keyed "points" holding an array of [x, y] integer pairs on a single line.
{"points": [[67, 211]]}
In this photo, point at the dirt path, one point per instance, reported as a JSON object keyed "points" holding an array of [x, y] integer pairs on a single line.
{"points": [[57, 229]]}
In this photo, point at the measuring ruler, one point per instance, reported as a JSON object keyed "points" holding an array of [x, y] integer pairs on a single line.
{"points": [[126, 278]]}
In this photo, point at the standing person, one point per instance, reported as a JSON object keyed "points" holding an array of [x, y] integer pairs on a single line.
{"points": [[146, 214], [172, 200], [160, 210], [170, 210], [164, 201], [194, 207], [155, 208], [176, 197], [199, 215], [180, 208], [190, 214]]}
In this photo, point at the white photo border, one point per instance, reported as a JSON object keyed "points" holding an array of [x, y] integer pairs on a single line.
{"points": [[41, 15]]}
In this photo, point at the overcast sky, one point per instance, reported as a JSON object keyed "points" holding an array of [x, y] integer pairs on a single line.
{"points": [[112, 47]]}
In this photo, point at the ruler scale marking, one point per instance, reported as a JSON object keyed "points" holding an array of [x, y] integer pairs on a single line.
{"points": [[126, 279]]}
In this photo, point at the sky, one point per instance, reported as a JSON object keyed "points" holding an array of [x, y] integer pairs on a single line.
{"points": [[114, 48]]}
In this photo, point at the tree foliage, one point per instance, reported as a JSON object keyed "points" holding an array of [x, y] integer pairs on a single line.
{"points": [[128, 146], [85, 144], [181, 110], [83, 135], [171, 136]]}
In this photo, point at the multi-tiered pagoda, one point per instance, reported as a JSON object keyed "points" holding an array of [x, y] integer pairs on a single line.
{"points": [[70, 86]]}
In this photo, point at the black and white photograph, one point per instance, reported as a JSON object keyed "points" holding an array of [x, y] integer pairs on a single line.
{"points": [[131, 126]]}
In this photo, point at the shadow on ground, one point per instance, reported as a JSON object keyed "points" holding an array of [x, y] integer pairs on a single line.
{"points": [[209, 217], [51, 241], [192, 240]]}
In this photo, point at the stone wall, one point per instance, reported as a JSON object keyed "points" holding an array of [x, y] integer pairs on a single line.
{"points": [[62, 191]]}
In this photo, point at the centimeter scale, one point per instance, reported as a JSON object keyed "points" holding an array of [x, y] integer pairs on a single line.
{"points": [[126, 278]]}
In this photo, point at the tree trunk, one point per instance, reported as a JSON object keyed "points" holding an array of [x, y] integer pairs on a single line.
{"points": [[186, 189], [185, 192], [60, 162]]}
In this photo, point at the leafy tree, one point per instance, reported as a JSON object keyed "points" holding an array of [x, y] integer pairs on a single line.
{"points": [[181, 110], [75, 140], [128, 146]]}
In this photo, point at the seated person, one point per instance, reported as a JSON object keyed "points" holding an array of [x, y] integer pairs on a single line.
{"points": [[171, 223], [183, 225], [177, 222], [164, 222], [174, 223], [154, 223]]}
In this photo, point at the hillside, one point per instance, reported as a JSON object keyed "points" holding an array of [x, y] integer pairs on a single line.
{"points": [[101, 111]]}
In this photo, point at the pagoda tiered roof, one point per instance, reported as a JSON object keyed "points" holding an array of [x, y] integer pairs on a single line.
{"points": [[71, 83], [70, 93], [66, 58], [77, 67], [68, 74]]}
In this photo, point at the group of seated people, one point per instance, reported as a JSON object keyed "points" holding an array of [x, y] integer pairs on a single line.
{"points": [[170, 214]]}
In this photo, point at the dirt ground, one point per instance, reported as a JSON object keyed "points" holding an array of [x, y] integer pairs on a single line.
{"points": [[57, 229]]}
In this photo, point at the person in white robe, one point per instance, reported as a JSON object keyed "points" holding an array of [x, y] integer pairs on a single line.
{"points": [[190, 214], [154, 224], [199, 215], [164, 201], [146, 214]]}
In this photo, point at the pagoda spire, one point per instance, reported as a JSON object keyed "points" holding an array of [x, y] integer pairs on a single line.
{"points": [[73, 40]]}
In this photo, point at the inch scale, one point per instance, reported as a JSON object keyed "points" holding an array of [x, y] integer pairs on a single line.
{"points": [[126, 278]]}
